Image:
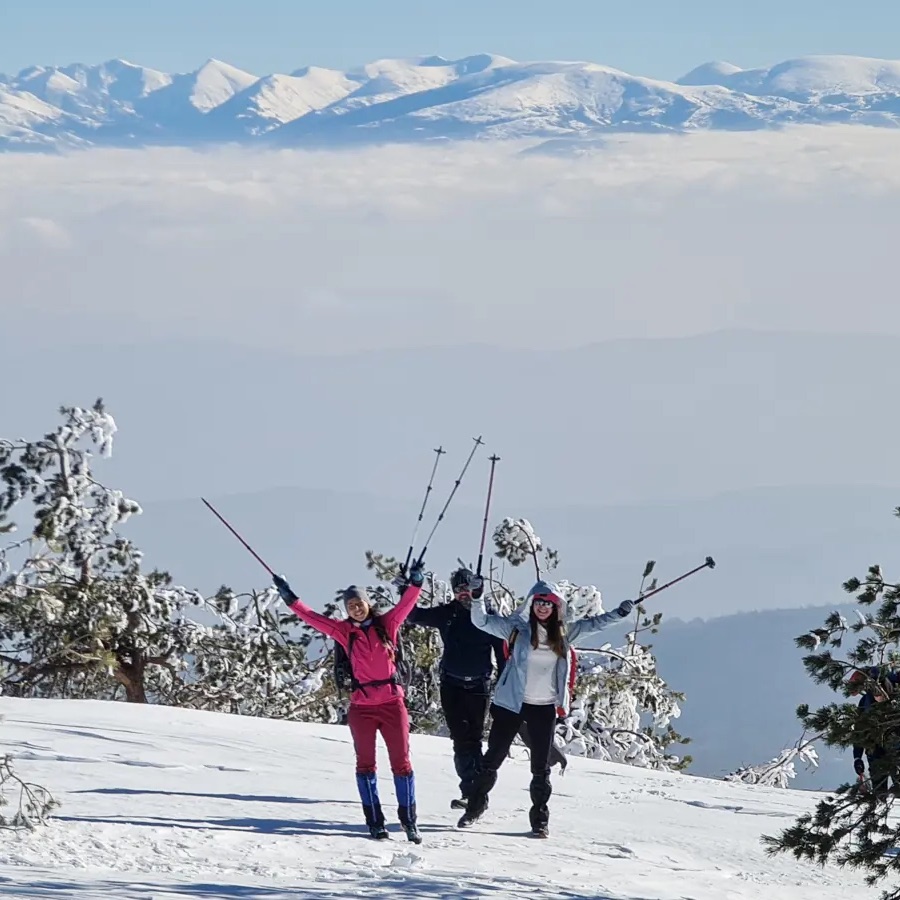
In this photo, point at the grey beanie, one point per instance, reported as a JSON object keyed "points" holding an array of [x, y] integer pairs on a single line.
{"points": [[356, 593]]}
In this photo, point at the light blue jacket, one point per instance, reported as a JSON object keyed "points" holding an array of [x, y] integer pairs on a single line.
{"points": [[510, 690]]}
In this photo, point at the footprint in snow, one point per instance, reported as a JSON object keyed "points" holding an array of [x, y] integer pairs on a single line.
{"points": [[614, 851]]}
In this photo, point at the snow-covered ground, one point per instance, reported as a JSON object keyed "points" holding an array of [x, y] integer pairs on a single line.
{"points": [[163, 803]]}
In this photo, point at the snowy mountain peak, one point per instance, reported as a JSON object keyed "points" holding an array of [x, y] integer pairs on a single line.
{"points": [[215, 82], [119, 103], [709, 73]]}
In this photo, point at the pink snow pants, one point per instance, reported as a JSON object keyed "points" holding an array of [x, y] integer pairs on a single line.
{"points": [[392, 720]]}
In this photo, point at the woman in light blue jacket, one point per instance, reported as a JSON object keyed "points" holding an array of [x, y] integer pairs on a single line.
{"points": [[535, 681]]}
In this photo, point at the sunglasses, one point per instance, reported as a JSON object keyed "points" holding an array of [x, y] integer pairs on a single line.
{"points": [[542, 601]]}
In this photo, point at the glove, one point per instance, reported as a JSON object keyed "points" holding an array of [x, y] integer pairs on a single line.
{"points": [[859, 767], [284, 589], [625, 608], [400, 583], [417, 574], [560, 715], [475, 584]]}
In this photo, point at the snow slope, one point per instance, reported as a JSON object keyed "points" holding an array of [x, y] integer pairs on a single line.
{"points": [[431, 98], [163, 803]]}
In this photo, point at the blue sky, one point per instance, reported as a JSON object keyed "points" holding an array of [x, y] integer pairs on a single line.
{"points": [[657, 38]]}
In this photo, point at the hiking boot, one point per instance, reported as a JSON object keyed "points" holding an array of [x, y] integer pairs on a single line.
{"points": [[378, 832], [540, 831], [474, 811], [412, 833], [463, 803]]}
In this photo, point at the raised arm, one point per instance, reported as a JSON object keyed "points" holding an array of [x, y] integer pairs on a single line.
{"points": [[396, 615], [499, 626], [430, 616], [580, 631], [323, 624]]}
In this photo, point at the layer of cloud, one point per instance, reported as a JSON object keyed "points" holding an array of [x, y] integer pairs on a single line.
{"points": [[647, 236]]}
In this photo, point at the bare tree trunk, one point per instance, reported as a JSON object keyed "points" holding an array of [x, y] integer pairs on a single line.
{"points": [[131, 677]]}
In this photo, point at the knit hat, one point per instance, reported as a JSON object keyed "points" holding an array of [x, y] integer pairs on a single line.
{"points": [[356, 593]]}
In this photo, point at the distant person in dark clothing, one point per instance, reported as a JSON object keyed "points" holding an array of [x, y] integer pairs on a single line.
{"points": [[466, 669], [882, 764]]}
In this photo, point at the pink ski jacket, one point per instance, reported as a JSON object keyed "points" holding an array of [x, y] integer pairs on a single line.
{"points": [[369, 658]]}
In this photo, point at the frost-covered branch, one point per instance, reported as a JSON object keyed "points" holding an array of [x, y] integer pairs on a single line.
{"points": [[780, 770], [32, 804]]}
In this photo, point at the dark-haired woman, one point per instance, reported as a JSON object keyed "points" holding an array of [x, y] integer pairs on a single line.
{"points": [[378, 701], [535, 682]]}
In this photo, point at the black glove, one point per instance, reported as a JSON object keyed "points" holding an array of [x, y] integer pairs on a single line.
{"points": [[624, 608], [475, 584], [417, 574], [284, 589], [859, 767]]}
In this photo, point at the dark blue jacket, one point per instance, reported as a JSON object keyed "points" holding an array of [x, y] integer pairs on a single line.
{"points": [[866, 702], [467, 649]]}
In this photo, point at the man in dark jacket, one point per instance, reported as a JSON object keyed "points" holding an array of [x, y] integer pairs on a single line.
{"points": [[466, 669], [878, 688]]}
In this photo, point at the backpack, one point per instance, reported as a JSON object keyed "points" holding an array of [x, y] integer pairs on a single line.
{"points": [[343, 669]]}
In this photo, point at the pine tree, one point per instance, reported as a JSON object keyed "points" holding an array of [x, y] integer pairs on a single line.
{"points": [[853, 825], [255, 661], [78, 616]]}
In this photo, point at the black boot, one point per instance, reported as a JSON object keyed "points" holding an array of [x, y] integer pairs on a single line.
{"points": [[405, 785], [375, 821], [367, 783], [478, 800], [539, 814]]}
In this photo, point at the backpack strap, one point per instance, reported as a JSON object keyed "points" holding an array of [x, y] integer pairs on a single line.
{"points": [[383, 636]]}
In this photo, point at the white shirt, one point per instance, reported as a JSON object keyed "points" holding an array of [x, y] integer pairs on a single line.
{"points": [[540, 677]]}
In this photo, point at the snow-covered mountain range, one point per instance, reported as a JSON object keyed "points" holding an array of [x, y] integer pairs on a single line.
{"points": [[121, 104]]}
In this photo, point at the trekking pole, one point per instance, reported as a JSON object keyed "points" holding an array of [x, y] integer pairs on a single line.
{"points": [[222, 519], [709, 564], [440, 451], [494, 460], [478, 442]]}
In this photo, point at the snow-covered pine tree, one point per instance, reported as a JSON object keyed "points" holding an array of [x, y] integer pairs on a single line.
{"points": [[623, 710], [780, 771], [255, 661], [854, 826], [80, 618]]}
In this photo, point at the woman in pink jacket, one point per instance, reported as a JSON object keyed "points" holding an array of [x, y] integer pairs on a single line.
{"points": [[377, 701]]}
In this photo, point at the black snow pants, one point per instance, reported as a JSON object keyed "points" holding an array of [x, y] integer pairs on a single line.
{"points": [[465, 705], [541, 723]]}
